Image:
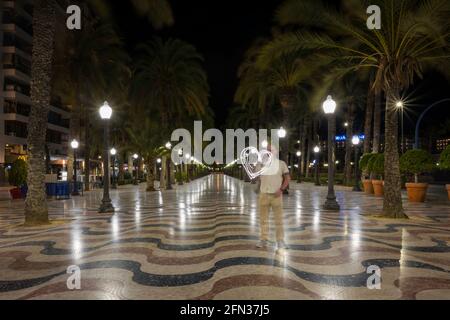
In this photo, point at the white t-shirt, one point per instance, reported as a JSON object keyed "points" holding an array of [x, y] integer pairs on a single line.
{"points": [[272, 178]]}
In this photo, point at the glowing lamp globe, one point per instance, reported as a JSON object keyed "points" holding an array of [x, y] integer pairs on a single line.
{"points": [[113, 151], [159, 160], [264, 144], [329, 106], [74, 144], [356, 141], [282, 133], [168, 145], [135, 156], [316, 149], [299, 154], [105, 111]]}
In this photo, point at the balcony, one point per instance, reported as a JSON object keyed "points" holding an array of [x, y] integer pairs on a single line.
{"points": [[12, 17], [17, 31]]}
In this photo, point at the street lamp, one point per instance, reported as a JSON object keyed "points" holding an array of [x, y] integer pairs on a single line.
{"points": [[356, 141], [329, 107], [299, 156], [264, 144], [168, 165], [316, 169], [106, 113], [136, 166], [74, 144], [400, 105], [187, 166], [114, 180], [284, 154]]}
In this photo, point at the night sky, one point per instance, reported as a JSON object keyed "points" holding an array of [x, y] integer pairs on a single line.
{"points": [[222, 30]]}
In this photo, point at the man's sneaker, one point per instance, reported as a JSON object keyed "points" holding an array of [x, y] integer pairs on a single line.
{"points": [[281, 245], [262, 244]]}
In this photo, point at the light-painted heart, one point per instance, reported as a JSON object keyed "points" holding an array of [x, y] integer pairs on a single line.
{"points": [[255, 162]]}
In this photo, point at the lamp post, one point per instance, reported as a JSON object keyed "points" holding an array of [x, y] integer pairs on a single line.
{"points": [[284, 154], [400, 105], [329, 107], [299, 156], [136, 165], [114, 180], [356, 141], [316, 165], [282, 134], [187, 166], [74, 144], [168, 165], [106, 113]]}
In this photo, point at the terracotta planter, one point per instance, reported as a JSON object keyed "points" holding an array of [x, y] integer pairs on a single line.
{"points": [[417, 192], [368, 187], [378, 187], [16, 193], [448, 190]]}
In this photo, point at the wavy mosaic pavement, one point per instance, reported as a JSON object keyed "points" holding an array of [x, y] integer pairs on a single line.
{"points": [[199, 242]]}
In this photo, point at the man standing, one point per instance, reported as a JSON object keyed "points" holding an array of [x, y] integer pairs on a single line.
{"points": [[273, 182]]}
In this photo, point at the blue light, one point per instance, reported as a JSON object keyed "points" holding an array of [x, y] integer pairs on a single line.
{"points": [[344, 138]]}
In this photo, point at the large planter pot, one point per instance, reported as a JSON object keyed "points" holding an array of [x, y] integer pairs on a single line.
{"points": [[368, 187], [16, 193], [448, 190], [378, 188], [417, 192]]}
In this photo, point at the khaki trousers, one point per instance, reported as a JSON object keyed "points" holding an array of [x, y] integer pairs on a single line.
{"points": [[267, 201]]}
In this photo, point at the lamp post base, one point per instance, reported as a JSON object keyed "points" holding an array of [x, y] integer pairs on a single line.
{"points": [[106, 207], [331, 205]]}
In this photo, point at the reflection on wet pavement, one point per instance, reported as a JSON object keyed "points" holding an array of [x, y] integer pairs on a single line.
{"points": [[199, 242]]}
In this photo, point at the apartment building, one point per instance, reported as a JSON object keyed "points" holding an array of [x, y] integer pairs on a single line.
{"points": [[16, 35]]}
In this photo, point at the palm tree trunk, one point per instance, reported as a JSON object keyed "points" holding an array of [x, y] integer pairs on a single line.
{"points": [[348, 172], [36, 210], [392, 206], [368, 119], [163, 175], [310, 146], [303, 139], [48, 166], [150, 174], [87, 151], [377, 123]]}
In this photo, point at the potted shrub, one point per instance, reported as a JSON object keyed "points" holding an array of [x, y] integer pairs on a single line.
{"points": [[179, 177], [17, 177], [416, 162], [444, 163], [376, 168], [366, 179]]}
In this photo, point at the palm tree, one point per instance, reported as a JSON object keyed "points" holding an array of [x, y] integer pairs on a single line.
{"points": [[279, 83], [169, 81], [145, 138], [159, 13], [92, 67], [44, 21], [414, 36]]}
